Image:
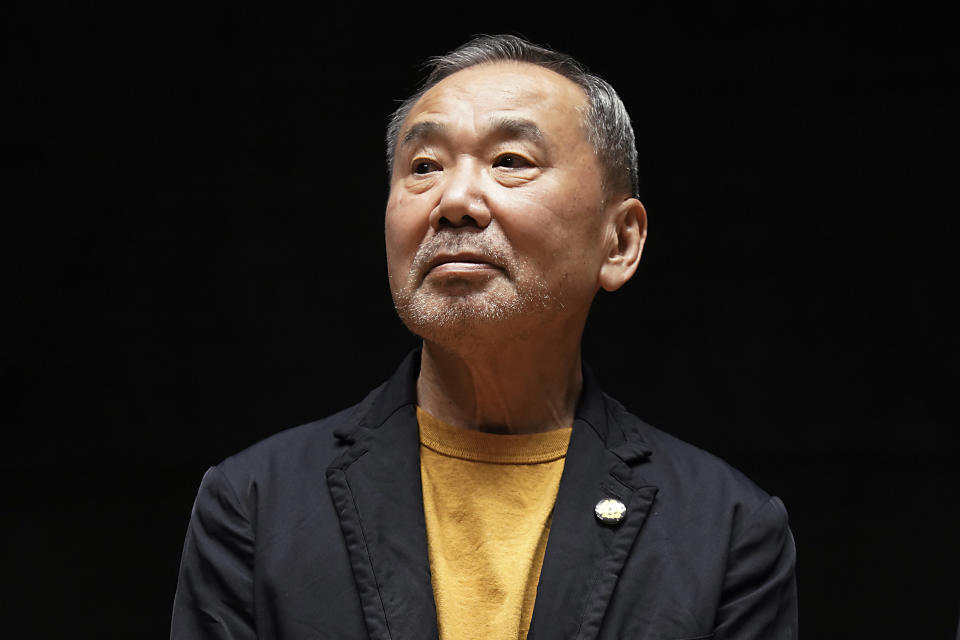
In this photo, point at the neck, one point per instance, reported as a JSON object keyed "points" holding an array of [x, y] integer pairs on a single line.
{"points": [[526, 386]]}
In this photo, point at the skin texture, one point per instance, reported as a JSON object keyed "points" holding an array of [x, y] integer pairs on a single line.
{"points": [[498, 235]]}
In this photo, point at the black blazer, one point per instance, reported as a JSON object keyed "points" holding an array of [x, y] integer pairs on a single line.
{"points": [[318, 532]]}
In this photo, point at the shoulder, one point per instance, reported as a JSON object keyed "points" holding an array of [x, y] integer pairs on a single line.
{"points": [[314, 443], [291, 464], [723, 544], [689, 476]]}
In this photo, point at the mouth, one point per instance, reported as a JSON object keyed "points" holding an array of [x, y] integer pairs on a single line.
{"points": [[461, 262]]}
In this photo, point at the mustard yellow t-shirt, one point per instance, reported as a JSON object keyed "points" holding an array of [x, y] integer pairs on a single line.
{"points": [[488, 501]]}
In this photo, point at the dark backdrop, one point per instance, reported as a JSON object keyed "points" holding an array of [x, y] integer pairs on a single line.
{"points": [[193, 252]]}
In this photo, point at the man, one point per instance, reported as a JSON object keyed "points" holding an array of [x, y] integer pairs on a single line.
{"points": [[489, 489]]}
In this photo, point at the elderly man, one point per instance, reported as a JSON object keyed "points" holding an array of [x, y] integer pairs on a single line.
{"points": [[489, 489]]}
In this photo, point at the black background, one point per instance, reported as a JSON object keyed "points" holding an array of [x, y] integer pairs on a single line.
{"points": [[193, 258]]}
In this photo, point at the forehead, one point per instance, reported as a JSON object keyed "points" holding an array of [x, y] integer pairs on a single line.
{"points": [[503, 88]]}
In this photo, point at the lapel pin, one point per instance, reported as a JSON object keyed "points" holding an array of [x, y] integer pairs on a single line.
{"points": [[610, 511]]}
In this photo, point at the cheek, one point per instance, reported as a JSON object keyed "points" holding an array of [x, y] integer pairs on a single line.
{"points": [[548, 223], [524, 213], [403, 231]]}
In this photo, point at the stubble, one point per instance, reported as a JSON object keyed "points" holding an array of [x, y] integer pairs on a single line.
{"points": [[441, 315]]}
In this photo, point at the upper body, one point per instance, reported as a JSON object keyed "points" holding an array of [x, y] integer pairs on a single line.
{"points": [[512, 203], [318, 532]]}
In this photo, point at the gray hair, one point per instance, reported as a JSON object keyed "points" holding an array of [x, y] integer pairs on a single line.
{"points": [[606, 120]]}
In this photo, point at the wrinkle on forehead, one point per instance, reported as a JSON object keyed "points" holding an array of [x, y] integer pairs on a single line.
{"points": [[481, 92], [502, 127]]}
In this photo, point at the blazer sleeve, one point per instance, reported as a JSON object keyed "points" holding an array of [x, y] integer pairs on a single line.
{"points": [[214, 598], [759, 598]]}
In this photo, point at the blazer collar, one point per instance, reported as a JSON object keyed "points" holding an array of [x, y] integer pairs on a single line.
{"points": [[376, 488], [584, 557], [593, 408]]}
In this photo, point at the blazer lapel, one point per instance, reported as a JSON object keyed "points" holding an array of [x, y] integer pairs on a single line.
{"points": [[584, 557], [376, 488]]}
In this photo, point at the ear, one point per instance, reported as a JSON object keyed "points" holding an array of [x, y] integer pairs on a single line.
{"points": [[629, 224]]}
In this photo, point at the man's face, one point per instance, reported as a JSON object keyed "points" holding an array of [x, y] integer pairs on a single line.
{"points": [[496, 211]]}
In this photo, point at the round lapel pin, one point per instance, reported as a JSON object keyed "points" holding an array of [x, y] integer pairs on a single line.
{"points": [[610, 511]]}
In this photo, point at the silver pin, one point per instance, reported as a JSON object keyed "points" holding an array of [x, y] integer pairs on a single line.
{"points": [[610, 511]]}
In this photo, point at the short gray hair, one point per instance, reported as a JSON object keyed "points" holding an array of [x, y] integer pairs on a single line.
{"points": [[606, 120]]}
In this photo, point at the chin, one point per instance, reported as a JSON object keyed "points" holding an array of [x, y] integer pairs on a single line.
{"points": [[451, 320]]}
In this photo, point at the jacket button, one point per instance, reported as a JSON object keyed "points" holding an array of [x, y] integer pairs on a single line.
{"points": [[610, 511]]}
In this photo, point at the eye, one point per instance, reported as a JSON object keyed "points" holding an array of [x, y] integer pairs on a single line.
{"points": [[421, 166], [512, 161]]}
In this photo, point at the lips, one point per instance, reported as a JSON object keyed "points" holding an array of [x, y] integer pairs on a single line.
{"points": [[464, 259], [460, 262]]}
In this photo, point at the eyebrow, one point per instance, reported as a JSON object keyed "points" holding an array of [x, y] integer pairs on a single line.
{"points": [[503, 128], [517, 128], [422, 131]]}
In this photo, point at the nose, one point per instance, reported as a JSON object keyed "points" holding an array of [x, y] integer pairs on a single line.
{"points": [[463, 199]]}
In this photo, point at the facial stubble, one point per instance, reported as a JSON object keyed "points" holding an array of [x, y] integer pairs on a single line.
{"points": [[433, 313]]}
